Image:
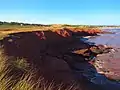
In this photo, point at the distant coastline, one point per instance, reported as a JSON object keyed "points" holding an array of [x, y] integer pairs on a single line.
{"points": [[110, 27]]}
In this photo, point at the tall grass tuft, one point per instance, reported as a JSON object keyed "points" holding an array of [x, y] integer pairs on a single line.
{"points": [[16, 74]]}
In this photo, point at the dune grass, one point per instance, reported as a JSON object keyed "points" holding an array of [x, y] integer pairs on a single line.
{"points": [[16, 74]]}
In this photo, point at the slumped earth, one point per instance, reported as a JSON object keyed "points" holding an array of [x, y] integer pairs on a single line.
{"points": [[62, 57]]}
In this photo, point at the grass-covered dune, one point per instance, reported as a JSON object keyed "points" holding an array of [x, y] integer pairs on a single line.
{"points": [[40, 58]]}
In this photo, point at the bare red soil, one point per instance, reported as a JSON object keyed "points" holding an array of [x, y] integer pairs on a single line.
{"points": [[48, 51]]}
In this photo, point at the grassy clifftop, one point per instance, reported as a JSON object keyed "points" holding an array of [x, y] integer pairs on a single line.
{"points": [[33, 57]]}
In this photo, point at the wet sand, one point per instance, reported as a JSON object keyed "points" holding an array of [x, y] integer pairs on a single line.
{"points": [[107, 65]]}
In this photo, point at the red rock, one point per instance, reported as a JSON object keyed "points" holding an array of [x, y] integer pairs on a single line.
{"points": [[42, 49], [109, 64], [54, 69]]}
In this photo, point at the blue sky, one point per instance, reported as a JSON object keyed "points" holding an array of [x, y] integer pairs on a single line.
{"points": [[93, 12]]}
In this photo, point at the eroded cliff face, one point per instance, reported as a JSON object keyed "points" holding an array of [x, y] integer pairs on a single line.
{"points": [[78, 31], [49, 51]]}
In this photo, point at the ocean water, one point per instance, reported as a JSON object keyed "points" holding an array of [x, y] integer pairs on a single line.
{"points": [[107, 39], [96, 80]]}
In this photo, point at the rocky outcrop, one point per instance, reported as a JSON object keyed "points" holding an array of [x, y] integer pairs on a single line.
{"points": [[51, 52], [108, 64]]}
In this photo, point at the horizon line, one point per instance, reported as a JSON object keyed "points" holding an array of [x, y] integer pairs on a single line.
{"points": [[60, 23]]}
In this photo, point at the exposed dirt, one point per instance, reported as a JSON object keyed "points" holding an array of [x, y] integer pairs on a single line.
{"points": [[51, 52]]}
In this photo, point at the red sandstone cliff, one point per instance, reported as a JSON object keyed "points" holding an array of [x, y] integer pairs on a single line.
{"points": [[47, 50]]}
